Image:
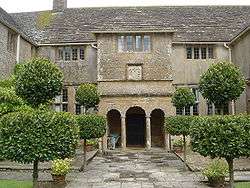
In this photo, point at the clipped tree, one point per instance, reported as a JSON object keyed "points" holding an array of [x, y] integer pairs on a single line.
{"points": [[91, 126], [179, 125], [34, 136], [183, 97], [87, 96], [225, 137], [38, 81], [222, 83]]}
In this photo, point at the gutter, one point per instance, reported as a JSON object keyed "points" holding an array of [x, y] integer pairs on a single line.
{"points": [[68, 44]]}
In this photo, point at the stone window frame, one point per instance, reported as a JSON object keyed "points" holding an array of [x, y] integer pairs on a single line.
{"points": [[122, 43], [12, 41], [191, 52], [61, 101], [62, 50]]}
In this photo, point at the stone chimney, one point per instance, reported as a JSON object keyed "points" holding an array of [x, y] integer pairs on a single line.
{"points": [[59, 5]]}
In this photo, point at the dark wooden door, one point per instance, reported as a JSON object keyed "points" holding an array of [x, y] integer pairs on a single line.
{"points": [[135, 130]]}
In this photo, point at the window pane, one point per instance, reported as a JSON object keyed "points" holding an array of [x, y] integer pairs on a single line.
{"points": [[67, 54], [187, 110], [82, 54], [196, 94], [146, 43], [196, 53], [65, 95], [203, 53], [189, 52], [78, 109], [209, 108], [196, 109], [129, 43], [121, 44], [178, 111], [57, 108], [65, 107], [210, 53], [138, 43], [60, 54], [74, 54]]}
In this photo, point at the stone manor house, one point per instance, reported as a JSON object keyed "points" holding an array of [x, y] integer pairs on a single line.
{"points": [[137, 56]]}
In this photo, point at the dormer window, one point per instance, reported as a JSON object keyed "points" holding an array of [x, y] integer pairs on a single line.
{"points": [[134, 43], [200, 52]]}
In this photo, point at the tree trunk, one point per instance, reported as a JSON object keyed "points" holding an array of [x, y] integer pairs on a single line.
{"points": [[231, 172], [35, 173], [185, 148], [84, 155]]}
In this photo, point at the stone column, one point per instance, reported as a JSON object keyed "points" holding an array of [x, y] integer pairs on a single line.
{"points": [[148, 133], [105, 140], [123, 133], [167, 141]]}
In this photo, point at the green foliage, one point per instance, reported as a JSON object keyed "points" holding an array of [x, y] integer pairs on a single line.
{"points": [[8, 83], [44, 19], [9, 101], [61, 167], [91, 126], [223, 82], [221, 136], [178, 143], [242, 185], [38, 81], [183, 97], [87, 95], [178, 125], [216, 168], [36, 135]]}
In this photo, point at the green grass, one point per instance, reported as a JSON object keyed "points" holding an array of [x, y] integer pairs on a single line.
{"points": [[15, 184], [242, 185]]}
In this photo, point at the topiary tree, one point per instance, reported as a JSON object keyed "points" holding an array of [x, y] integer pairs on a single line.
{"points": [[183, 97], [87, 96], [179, 125], [34, 136], [38, 81], [222, 83], [91, 126], [223, 137]]}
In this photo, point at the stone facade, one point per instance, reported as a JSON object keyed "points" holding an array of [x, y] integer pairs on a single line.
{"points": [[240, 56]]}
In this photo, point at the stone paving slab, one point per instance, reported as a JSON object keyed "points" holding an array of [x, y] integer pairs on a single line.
{"points": [[137, 170]]}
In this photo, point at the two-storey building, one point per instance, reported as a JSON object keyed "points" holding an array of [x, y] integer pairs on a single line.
{"points": [[137, 56]]}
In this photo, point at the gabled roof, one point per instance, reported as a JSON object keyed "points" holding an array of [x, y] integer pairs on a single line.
{"points": [[191, 23], [7, 20], [239, 35]]}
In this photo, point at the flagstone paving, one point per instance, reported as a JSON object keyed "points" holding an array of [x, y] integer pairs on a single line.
{"points": [[137, 169]]}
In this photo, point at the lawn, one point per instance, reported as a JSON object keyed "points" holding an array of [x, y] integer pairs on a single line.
{"points": [[15, 184], [242, 185]]}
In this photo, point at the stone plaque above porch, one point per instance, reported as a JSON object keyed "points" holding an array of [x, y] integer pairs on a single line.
{"points": [[134, 72]]}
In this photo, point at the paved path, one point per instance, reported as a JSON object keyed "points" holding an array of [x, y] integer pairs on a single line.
{"points": [[136, 170]]}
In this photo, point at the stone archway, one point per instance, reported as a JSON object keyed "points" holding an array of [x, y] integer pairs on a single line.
{"points": [[135, 127], [157, 128], [114, 124]]}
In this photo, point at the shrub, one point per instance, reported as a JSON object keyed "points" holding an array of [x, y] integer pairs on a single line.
{"points": [[38, 81], [179, 125], [91, 126], [178, 143], [216, 168], [223, 137], [60, 167], [223, 82], [37, 136], [183, 97], [87, 95]]}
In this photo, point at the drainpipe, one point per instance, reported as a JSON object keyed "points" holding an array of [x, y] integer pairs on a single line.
{"points": [[230, 60], [18, 49]]}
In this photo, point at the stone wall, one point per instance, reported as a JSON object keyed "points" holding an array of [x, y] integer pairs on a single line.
{"points": [[7, 59], [241, 58], [25, 50]]}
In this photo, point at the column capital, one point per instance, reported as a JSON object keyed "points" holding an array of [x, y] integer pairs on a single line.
{"points": [[123, 116], [148, 116]]}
